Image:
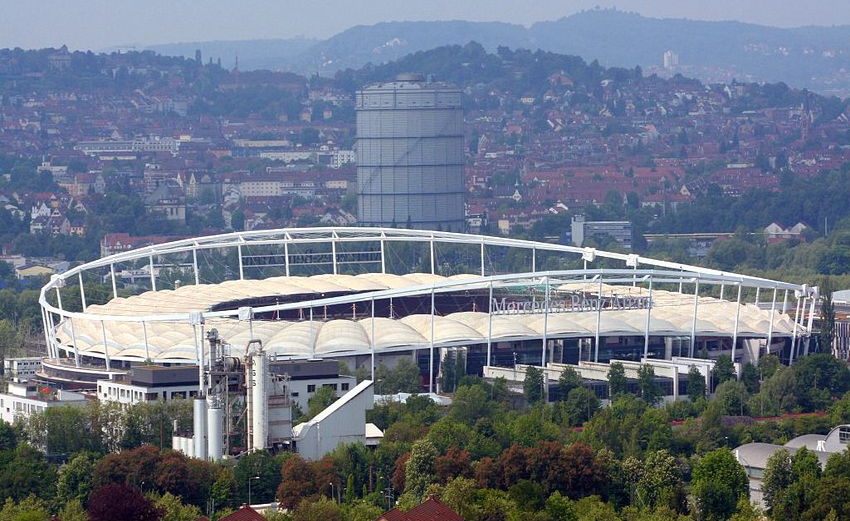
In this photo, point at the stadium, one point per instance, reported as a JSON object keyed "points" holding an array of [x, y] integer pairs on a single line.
{"points": [[367, 296]]}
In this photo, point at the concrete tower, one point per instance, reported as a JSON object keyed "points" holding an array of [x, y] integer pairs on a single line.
{"points": [[410, 155]]}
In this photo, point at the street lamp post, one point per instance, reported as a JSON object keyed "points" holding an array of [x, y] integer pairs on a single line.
{"points": [[252, 478]]}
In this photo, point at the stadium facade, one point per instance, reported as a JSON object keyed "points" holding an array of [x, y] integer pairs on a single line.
{"points": [[373, 295]]}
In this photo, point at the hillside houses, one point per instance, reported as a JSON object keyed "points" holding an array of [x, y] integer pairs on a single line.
{"points": [[56, 214]]}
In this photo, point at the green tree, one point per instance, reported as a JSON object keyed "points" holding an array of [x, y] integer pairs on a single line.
{"points": [[447, 374], [470, 403], [361, 511], [750, 377], [404, 378], [718, 483], [223, 489], [650, 391], [820, 376], [532, 386], [629, 427], [460, 366], [237, 220], [75, 478], [800, 494], [581, 405], [73, 511], [777, 477], [27, 473], [778, 394], [57, 430], [8, 437], [839, 411], [30, 508], [696, 384], [568, 381], [560, 508], [321, 399], [250, 466], [746, 512], [768, 365], [350, 493], [724, 370], [617, 382], [831, 501], [659, 478], [732, 397], [10, 339], [419, 470], [460, 494], [838, 465], [804, 463], [173, 509]]}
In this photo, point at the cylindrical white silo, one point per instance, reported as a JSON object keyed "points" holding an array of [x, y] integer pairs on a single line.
{"points": [[259, 399], [215, 424], [200, 428]]}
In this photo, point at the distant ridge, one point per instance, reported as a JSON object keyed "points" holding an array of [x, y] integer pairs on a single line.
{"points": [[273, 54], [810, 57]]}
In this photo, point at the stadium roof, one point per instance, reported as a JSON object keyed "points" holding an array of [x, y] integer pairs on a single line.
{"points": [[167, 325], [671, 315]]}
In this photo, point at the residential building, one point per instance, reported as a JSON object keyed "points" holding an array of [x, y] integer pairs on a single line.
{"points": [[113, 243], [246, 513], [169, 200], [430, 510], [774, 232], [130, 146]]}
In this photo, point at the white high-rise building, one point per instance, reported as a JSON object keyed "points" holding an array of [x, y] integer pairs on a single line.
{"points": [[671, 60]]}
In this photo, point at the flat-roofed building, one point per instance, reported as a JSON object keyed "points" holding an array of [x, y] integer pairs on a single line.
{"points": [[20, 370], [150, 383], [305, 378], [620, 231], [23, 400]]}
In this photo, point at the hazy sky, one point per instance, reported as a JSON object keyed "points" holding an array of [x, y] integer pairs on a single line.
{"points": [[95, 24]]}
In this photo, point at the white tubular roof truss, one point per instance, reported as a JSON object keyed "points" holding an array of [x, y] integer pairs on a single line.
{"points": [[110, 338]]}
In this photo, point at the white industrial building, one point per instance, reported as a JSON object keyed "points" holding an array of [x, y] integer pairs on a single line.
{"points": [[23, 400], [150, 383], [155, 382], [344, 421]]}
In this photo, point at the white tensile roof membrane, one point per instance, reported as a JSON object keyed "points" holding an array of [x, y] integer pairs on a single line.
{"points": [[671, 315]]}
